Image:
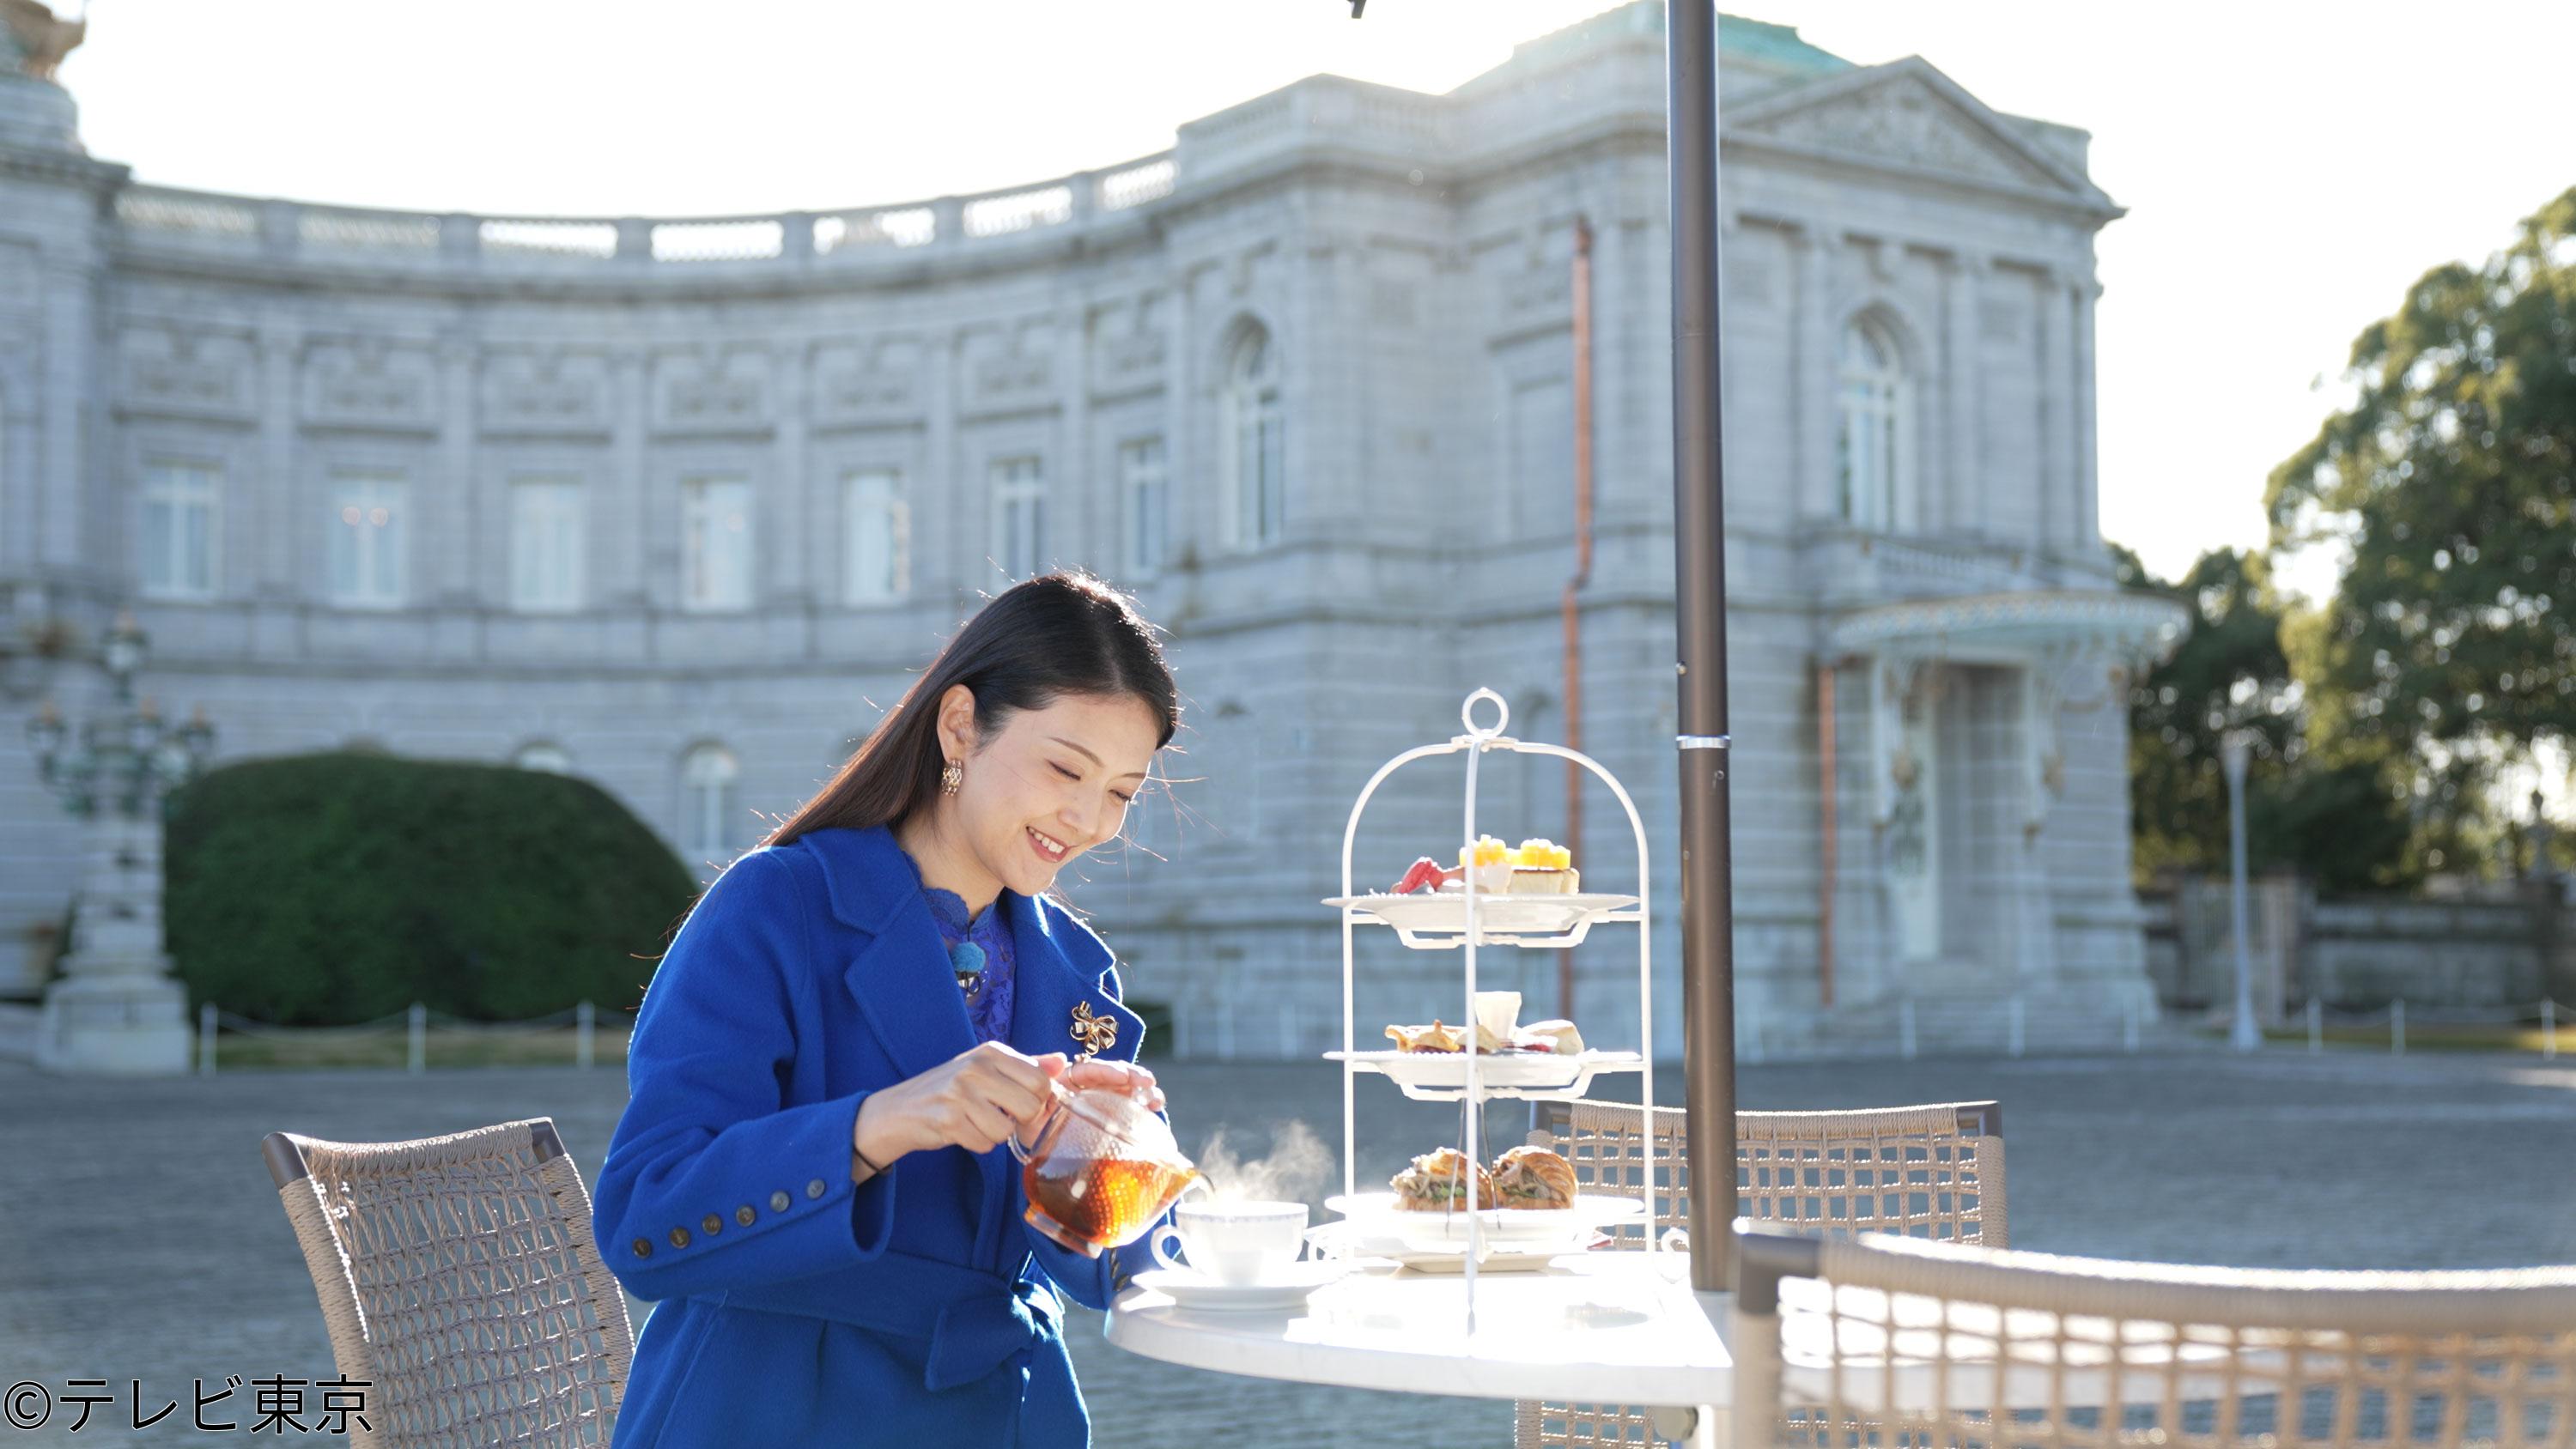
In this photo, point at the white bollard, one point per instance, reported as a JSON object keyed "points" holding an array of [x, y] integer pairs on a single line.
{"points": [[2548, 1027], [2397, 1027], [419, 1039], [2316, 1025], [1905, 1028], [206, 1039], [2013, 1023], [585, 1026]]}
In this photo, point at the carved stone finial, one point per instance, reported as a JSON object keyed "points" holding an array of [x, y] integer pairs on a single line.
{"points": [[33, 41]]}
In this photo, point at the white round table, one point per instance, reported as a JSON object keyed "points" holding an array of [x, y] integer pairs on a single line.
{"points": [[1594, 1327]]}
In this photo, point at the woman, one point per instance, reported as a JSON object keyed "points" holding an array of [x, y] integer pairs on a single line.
{"points": [[811, 1175]]}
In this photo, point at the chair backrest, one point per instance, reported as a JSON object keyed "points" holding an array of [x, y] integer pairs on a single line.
{"points": [[458, 1279], [1934, 1170], [2029, 1348]]}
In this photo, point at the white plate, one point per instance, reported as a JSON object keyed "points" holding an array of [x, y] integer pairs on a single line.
{"points": [[1439, 918], [1361, 1247], [1540, 1071], [1290, 1287], [1376, 1214]]}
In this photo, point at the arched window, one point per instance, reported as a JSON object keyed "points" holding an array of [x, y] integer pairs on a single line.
{"points": [[1255, 443], [1870, 440], [707, 789], [551, 758]]}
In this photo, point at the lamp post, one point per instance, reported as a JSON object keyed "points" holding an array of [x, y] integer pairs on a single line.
{"points": [[116, 1009], [2232, 750]]}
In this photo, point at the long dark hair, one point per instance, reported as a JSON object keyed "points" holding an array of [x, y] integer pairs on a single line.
{"points": [[1054, 635]]}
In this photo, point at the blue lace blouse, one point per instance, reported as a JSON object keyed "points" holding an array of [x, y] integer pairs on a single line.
{"points": [[979, 951]]}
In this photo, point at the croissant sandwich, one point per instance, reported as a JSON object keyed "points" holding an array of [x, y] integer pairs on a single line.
{"points": [[1437, 1182], [1533, 1177]]}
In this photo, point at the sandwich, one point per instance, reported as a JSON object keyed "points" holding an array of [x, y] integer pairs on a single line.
{"points": [[1437, 1183], [1533, 1177]]}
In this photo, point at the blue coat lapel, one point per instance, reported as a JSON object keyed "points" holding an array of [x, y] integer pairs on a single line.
{"points": [[1062, 965], [901, 978]]}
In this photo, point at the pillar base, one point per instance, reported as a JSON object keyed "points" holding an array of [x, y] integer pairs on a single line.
{"points": [[133, 1026]]}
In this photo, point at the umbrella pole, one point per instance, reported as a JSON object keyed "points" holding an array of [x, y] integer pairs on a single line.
{"points": [[1708, 907]]}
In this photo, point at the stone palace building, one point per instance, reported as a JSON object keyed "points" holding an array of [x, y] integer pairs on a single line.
{"points": [[676, 504]]}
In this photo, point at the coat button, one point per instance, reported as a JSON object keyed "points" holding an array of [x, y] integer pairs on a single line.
{"points": [[643, 1247], [814, 1188], [744, 1215], [712, 1224], [778, 1202], [679, 1237]]}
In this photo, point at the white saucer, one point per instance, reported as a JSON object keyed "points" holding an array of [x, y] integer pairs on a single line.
{"points": [[1288, 1288]]}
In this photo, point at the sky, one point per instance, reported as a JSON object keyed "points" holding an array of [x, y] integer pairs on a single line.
{"points": [[2288, 168]]}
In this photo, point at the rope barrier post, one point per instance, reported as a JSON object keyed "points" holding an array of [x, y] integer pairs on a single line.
{"points": [[2548, 1027], [205, 1039], [2397, 1027], [1905, 1028], [585, 1049], [2014, 1024], [2316, 1025], [419, 1032]]}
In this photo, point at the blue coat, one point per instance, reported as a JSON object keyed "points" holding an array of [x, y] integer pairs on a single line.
{"points": [[792, 1306]]}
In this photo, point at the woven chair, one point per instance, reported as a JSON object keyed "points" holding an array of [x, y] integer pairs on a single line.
{"points": [[460, 1284], [1932, 1171], [1916, 1343]]}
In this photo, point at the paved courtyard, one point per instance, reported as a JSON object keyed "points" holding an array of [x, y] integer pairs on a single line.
{"points": [[140, 1237]]}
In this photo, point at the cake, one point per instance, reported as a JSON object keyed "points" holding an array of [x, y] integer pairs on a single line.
{"points": [[1542, 868]]}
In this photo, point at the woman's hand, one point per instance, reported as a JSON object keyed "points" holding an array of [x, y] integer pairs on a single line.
{"points": [[1119, 1076], [974, 1100]]}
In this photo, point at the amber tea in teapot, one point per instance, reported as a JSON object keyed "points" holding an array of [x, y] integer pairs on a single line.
{"points": [[1100, 1169]]}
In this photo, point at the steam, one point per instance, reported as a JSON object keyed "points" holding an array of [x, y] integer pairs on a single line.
{"points": [[1295, 1170]]}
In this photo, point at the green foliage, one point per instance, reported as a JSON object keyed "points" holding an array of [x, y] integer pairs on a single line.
{"points": [[324, 889], [2451, 480], [2335, 819]]}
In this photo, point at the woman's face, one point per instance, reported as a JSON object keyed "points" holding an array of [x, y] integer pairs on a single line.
{"points": [[1050, 784]]}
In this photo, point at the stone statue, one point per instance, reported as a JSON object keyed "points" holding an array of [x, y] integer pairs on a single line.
{"points": [[34, 39]]}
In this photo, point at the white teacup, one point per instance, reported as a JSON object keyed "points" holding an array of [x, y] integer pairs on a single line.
{"points": [[1234, 1243]]}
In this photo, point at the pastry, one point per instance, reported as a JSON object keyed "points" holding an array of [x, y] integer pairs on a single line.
{"points": [[1533, 1177], [1437, 1182], [1492, 862], [1432, 1038], [1543, 868], [1557, 1036]]}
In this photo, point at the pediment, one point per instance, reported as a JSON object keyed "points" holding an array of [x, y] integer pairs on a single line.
{"points": [[1907, 114]]}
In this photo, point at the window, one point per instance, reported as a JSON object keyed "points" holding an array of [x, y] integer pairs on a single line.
{"points": [[1256, 450], [552, 759], [367, 540], [878, 527], [707, 787], [1019, 516], [177, 540], [545, 544], [715, 544], [1142, 486], [1869, 449]]}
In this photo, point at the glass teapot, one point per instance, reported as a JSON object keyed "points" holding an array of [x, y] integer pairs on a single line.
{"points": [[1101, 1168]]}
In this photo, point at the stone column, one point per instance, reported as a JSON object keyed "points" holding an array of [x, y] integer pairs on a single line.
{"points": [[791, 516], [1814, 359], [2058, 480], [68, 357], [2088, 447], [942, 557], [624, 526], [456, 524], [1961, 397], [116, 1009], [286, 518]]}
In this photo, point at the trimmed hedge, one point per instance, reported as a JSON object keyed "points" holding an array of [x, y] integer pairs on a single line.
{"points": [[325, 889]]}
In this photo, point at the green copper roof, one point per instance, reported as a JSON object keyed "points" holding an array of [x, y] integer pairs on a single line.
{"points": [[1758, 42]]}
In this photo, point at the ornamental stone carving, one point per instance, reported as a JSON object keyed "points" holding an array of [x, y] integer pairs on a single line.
{"points": [[183, 374], [704, 391], [545, 394], [369, 385], [1906, 122]]}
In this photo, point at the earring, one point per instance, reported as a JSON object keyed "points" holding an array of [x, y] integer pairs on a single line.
{"points": [[951, 777]]}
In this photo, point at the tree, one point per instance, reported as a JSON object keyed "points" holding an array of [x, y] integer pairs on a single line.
{"points": [[2337, 820], [2451, 482]]}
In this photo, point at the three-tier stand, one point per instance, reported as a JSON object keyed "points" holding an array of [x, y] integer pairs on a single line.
{"points": [[1463, 921]]}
